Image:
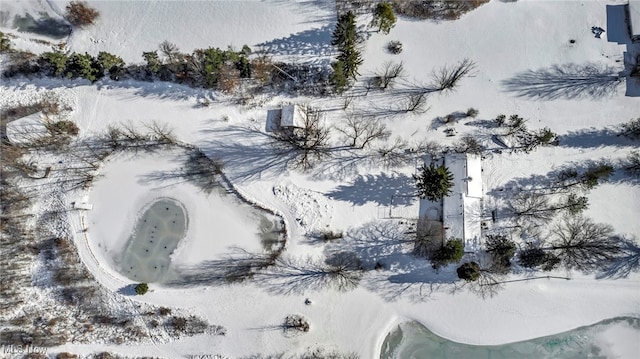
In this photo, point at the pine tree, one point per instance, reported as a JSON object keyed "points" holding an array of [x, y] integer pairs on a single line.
{"points": [[433, 182], [153, 62], [345, 39], [383, 17], [338, 78]]}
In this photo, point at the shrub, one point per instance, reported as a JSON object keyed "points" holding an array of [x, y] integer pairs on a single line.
{"points": [[534, 257], [64, 127], [394, 47], [331, 235], [84, 66], [631, 129], [111, 63], [5, 43], [296, 323], [472, 112], [451, 252], [469, 271], [142, 288], [80, 14], [55, 61]]}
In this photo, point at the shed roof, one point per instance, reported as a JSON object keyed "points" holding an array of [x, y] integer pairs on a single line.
{"points": [[634, 17], [291, 117]]}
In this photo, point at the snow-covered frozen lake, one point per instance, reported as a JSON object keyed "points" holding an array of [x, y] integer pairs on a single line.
{"points": [[147, 255], [607, 339]]}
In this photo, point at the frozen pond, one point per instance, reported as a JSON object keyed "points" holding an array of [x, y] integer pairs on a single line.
{"points": [[611, 338], [147, 255]]}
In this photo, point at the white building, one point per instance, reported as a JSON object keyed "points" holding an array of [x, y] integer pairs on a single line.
{"points": [[288, 117], [460, 212]]}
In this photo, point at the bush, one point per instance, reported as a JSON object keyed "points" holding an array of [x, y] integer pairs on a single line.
{"points": [[472, 112], [5, 43], [394, 47], [631, 129], [451, 252], [64, 127], [331, 235], [534, 257], [469, 271], [296, 323], [80, 14], [142, 288]]}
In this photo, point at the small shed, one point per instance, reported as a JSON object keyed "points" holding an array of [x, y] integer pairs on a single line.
{"points": [[288, 117]]}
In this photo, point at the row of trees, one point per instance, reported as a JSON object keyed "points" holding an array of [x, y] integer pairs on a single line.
{"points": [[576, 243], [209, 68], [345, 39]]}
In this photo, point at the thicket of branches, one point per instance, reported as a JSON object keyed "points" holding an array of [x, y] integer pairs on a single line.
{"points": [[307, 144], [78, 13]]}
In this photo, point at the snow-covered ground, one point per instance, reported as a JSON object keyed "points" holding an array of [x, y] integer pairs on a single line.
{"points": [[507, 40]]}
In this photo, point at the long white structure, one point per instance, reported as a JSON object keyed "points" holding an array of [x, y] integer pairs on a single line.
{"points": [[461, 210]]}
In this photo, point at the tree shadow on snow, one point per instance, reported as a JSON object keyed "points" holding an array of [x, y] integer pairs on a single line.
{"points": [[594, 138], [626, 263], [381, 189], [566, 81], [312, 42]]}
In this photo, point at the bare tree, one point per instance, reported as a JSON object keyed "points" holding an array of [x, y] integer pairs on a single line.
{"points": [[416, 102], [228, 78], [448, 77], [632, 164], [468, 144], [585, 245], [169, 50], [361, 131], [309, 143], [394, 154], [537, 205], [390, 71], [429, 237]]}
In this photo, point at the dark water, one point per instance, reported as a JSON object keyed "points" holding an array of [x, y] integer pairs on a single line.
{"points": [[413, 341]]}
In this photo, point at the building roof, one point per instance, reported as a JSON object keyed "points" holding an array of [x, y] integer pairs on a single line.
{"points": [[461, 210], [286, 117], [634, 17], [291, 117]]}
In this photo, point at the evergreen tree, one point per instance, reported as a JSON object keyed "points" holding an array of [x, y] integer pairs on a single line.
{"points": [[56, 62], [111, 63], [142, 288], [433, 182], [469, 271], [153, 62], [84, 66], [383, 17], [451, 252], [345, 39], [338, 78]]}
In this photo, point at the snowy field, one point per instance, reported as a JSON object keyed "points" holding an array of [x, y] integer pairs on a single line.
{"points": [[373, 205]]}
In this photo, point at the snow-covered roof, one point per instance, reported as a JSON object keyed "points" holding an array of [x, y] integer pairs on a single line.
{"points": [[291, 117], [26, 129], [634, 17], [461, 210], [285, 117]]}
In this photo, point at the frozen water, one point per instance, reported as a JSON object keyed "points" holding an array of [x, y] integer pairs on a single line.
{"points": [[146, 257]]}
